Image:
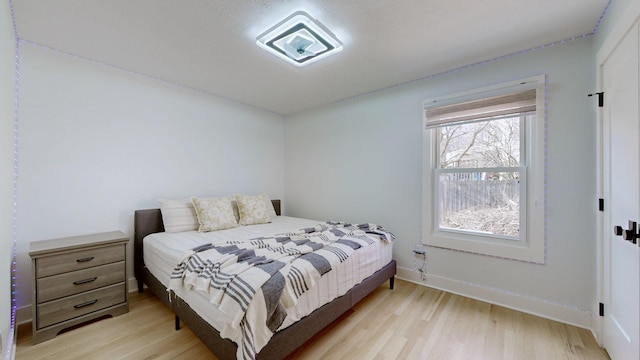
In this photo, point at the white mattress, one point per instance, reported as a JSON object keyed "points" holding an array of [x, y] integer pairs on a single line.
{"points": [[163, 251]]}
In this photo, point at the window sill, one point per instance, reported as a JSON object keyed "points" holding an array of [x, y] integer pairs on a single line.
{"points": [[506, 249]]}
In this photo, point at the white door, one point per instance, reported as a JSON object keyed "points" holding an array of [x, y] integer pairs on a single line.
{"points": [[621, 186]]}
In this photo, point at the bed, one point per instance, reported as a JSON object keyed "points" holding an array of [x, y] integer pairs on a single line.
{"points": [[299, 327]]}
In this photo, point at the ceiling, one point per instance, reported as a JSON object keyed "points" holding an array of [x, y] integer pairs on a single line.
{"points": [[209, 45]]}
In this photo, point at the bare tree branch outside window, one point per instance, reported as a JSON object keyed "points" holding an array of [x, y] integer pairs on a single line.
{"points": [[481, 200]]}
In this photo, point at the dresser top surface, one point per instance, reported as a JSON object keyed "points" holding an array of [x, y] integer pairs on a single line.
{"points": [[44, 247]]}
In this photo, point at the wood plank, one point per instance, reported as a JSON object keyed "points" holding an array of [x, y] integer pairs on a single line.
{"points": [[57, 286], [409, 322], [47, 265]]}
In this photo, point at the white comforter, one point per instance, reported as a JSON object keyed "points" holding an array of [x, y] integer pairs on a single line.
{"points": [[164, 251]]}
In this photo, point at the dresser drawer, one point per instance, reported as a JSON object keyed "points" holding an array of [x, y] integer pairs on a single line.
{"points": [[77, 260], [57, 286], [56, 311]]}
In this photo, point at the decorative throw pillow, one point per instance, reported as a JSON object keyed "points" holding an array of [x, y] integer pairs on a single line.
{"points": [[270, 209], [214, 213], [178, 215], [252, 209]]}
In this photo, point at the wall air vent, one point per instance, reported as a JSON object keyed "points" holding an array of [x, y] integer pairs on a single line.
{"points": [[300, 40]]}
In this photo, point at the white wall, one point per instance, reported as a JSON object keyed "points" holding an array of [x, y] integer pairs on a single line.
{"points": [[617, 9], [96, 143], [360, 160], [7, 66]]}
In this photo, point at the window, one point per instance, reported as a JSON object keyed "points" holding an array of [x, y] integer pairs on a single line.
{"points": [[484, 171]]}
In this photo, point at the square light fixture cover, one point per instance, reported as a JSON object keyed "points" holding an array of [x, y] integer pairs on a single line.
{"points": [[299, 39]]}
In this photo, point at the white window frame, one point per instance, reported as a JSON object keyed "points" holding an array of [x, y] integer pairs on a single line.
{"points": [[530, 246]]}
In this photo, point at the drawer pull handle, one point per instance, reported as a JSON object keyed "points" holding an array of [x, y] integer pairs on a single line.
{"points": [[80, 282], [85, 259], [85, 304]]}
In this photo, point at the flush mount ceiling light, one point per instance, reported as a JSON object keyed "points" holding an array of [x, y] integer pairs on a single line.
{"points": [[300, 40]]}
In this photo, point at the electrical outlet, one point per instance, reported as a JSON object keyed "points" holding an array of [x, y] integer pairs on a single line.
{"points": [[419, 249]]}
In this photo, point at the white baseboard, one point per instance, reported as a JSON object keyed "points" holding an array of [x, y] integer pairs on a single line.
{"points": [[556, 312], [133, 284]]}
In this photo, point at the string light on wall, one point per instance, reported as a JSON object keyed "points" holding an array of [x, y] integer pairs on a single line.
{"points": [[499, 58], [16, 137]]}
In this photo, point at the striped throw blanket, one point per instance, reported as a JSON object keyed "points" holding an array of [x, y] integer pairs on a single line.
{"points": [[256, 280]]}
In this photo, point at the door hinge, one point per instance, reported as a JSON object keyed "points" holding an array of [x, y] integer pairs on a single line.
{"points": [[601, 310], [600, 98], [601, 204]]}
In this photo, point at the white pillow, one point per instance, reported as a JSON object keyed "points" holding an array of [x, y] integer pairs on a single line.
{"points": [[178, 215], [214, 213], [253, 209]]}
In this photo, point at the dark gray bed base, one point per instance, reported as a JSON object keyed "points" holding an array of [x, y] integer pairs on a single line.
{"points": [[284, 342]]}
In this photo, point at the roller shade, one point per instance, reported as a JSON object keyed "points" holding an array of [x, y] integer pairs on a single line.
{"points": [[482, 109]]}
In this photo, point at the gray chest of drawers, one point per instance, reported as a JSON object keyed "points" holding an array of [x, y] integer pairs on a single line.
{"points": [[77, 279]]}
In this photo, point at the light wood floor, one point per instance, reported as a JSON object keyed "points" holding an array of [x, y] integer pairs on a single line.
{"points": [[409, 322]]}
